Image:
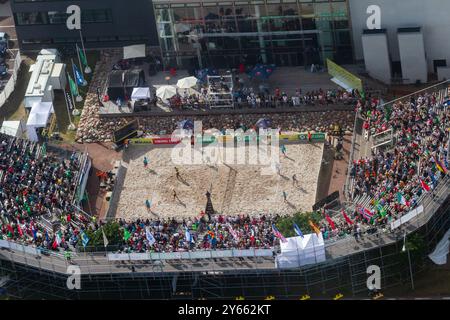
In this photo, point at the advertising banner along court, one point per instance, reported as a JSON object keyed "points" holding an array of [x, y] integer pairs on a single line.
{"points": [[343, 78]]}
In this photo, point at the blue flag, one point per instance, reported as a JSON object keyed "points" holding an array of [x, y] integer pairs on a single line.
{"points": [[297, 230], [78, 75], [151, 239], [188, 236], [84, 239], [433, 178]]}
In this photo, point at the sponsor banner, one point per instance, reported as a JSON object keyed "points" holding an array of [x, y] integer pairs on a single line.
{"points": [[118, 256], [315, 137], [168, 140], [343, 75], [200, 255], [413, 213], [263, 252], [244, 253], [139, 256], [4, 244], [141, 141], [222, 254]]}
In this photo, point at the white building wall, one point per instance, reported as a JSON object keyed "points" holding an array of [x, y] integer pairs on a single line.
{"points": [[412, 57], [431, 15], [376, 56]]}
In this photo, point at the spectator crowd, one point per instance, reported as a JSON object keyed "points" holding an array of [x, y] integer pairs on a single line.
{"points": [[34, 183], [396, 177]]}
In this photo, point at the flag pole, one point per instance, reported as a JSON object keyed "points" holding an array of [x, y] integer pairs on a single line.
{"points": [[79, 98], [71, 96], [81, 65], [71, 125], [87, 70]]}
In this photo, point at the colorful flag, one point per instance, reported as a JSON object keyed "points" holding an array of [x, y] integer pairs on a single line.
{"points": [[34, 231], [233, 233], [424, 185], [19, 229], [297, 230], [314, 227], [188, 236], [78, 75], [401, 199], [366, 213], [278, 234], [55, 244], [440, 166], [84, 239], [151, 239], [331, 222], [105, 239], [58, 238], [82, 57], [350, 222], [433, 178], [73, 87], [126, 235]]}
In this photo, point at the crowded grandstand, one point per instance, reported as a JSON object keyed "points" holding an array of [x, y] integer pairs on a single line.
{"points": [[38, 187]]}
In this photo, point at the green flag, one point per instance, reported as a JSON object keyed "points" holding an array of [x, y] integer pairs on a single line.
{"points": [[82, 57], [73, 87], [126, 235], [44, 149]]}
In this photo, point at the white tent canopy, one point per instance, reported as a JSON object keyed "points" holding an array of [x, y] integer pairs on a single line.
{"points": [[166, 92], [38, 118], [440, 253], [135, 51], [298, 251], [187, 82], [13, 128], [140, 93]]}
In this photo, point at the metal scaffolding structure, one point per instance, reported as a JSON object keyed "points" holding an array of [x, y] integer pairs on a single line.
{"points": [[220, 91], [253, 277]]}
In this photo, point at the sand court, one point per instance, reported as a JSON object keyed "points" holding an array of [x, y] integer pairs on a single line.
{"points": [[235, 188]]}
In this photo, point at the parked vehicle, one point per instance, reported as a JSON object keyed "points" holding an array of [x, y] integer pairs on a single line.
{"points": [[3, 70], [4, 43]]}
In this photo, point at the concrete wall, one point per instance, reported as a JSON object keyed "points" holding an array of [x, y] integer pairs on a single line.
{"points": [[431, 15], [443, 73], [412, 57], [376, 56]]}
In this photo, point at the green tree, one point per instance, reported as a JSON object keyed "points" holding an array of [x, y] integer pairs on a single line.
{"points": [[112, 232], [286, 224]]}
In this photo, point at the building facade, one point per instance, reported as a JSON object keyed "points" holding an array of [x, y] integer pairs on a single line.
{"points": [[105, 23], [198, 33], [227, 33], [430, 16]]}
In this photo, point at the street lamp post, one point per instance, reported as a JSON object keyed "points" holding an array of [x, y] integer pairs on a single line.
{"points": [[409, 260]]}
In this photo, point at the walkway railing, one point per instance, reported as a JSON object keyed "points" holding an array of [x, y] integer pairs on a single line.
{"points": [[10, 85]]}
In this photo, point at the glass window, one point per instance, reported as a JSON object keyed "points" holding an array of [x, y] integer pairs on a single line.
{"points": [[55, 17], [29, 18], [307, 14]]}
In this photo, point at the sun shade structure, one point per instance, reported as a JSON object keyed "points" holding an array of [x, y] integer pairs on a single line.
{"points": [[298, 251], [140, 93], [135, 51], [38, 118], [187, 83], [166, 92]]}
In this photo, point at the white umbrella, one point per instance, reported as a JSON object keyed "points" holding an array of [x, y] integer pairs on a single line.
{"points": [[166, 92], [187, 83]]}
